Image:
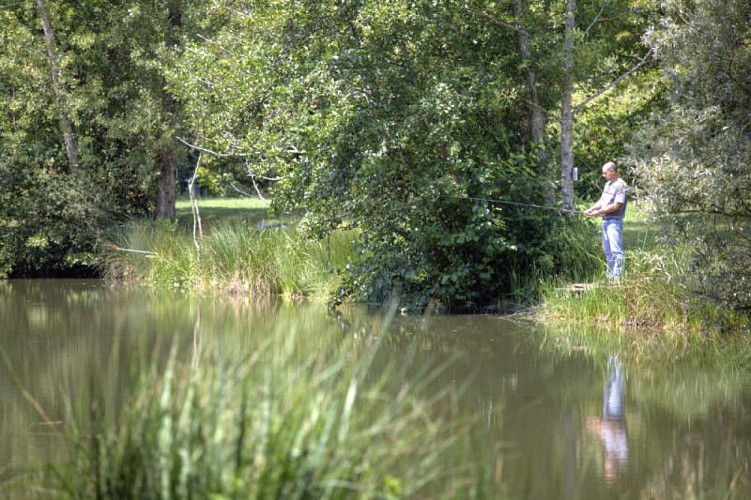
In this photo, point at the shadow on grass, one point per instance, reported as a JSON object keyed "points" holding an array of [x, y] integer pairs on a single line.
{"points": [[211, 215]]}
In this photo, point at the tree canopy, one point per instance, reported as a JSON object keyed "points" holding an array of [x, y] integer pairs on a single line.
{"points": [[408, 120]]}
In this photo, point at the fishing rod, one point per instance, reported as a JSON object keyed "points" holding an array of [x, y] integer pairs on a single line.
{"points": [[521, 204]]}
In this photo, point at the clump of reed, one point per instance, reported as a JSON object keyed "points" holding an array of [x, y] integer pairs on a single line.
{"points": [[646, 297], [269, 422], [232, 256], [649, 313]]}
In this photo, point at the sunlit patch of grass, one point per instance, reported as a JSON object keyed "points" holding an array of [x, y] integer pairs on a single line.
{"points": [[216, 210]]}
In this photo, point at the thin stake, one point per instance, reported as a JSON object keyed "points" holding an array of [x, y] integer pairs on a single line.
{"points": [[130, 250]]}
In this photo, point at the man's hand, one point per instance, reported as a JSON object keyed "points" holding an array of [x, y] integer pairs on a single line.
{"points": [[592, 212]]}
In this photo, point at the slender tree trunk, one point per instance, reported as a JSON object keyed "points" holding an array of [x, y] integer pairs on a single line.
{"points": [[167, 159], [567, 111], [66, 125], [167, 183], [535, 112]]}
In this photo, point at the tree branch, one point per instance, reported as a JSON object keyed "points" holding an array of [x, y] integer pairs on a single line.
{"points": [[245, 193], [613, 83], [255, 185], [232, 155], [197, 225], [205, 150], [597, 17], [499, 21]]}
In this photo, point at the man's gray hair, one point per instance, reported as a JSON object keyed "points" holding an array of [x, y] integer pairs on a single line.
{"points": [[610, 166]]}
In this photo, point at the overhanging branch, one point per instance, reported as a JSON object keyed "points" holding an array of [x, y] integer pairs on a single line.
{"points": [[215, 153], [230, 155], [612, 84], [597, 17]]}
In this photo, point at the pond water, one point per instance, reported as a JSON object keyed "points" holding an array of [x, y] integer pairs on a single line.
{"points": [[562, 423]]}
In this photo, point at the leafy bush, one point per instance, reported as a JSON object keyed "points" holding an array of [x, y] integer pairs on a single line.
{"points": [[48, 224], [694, 157]]}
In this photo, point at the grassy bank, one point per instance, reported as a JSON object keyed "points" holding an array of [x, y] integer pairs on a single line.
{"points": [[653, 295], [246, 252], [242, 251]]}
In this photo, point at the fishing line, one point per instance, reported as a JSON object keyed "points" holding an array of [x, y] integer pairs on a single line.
{"points": [[519, 204]]}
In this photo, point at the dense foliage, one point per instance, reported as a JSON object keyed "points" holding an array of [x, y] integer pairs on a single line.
{"points": [[428, 126], [50, 224], [100, 71], [694, 157], [408, 120]]}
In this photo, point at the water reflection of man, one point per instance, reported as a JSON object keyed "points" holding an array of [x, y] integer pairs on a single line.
{"points": [[611, 428]]}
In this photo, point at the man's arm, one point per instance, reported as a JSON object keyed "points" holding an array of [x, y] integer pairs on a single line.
{"points": [[608, 209]]}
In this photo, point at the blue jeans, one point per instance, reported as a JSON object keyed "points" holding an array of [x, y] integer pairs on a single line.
{"points": [[612, 244]]}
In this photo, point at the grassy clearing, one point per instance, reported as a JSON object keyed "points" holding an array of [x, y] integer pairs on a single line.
{"points": [[234, 256], [250, 421], [214, 210]]}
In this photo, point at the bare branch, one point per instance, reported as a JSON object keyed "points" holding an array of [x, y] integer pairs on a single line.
{"points": [[235, 155], [253, 179], [613, 83], [197, 225], [205, 150], [500, 22], [244, 193], [597, 17]]}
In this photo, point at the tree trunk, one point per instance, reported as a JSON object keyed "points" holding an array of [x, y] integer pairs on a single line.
{"points": [[567, 111], [66, 126], [167, 183], [535, 113], [167, 159]]}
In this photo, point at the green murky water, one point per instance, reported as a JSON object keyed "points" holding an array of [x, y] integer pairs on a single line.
{"points": [[562, 423]]}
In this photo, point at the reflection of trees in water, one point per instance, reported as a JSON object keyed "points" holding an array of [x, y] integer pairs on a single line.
{"points": [[530, 403], [45, 335], [710, 455]]}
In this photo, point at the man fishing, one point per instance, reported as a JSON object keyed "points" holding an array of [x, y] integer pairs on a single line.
{"points": [[612, 208]]}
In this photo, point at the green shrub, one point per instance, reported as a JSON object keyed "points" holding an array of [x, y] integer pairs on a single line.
{"points": [[48, 224]]}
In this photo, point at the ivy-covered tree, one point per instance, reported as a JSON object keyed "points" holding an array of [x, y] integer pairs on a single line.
{"points": [[694, 156]]}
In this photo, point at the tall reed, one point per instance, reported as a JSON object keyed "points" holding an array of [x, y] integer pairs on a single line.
{"points": [[233, 256], [649, 297], [270, 422]]}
